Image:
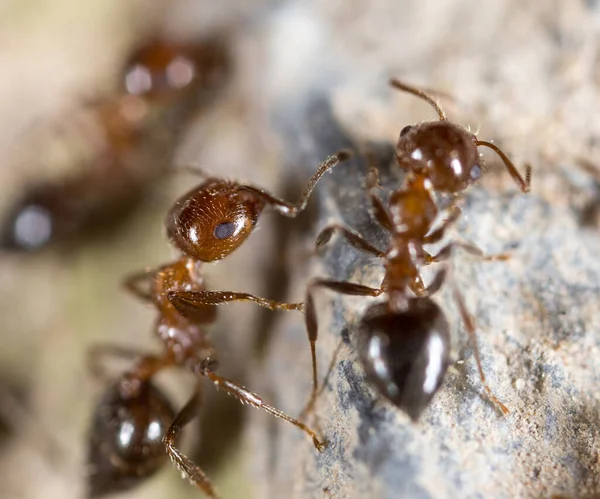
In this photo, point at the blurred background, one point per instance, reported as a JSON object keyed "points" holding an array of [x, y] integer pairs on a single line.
{"points": [[526, 75]]}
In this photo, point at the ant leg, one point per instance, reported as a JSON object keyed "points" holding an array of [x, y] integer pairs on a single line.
{"points": [[312, 329], [309, 406], [470, 327], [292, 209], [524, 185], [418, 287], [188, 302], [380, 212], [589, 167], [139, 283], [194, 170], [245, 396], [439, 233], [354, 239], [186, 466], [467, 246], [146, 367], [96, 355]]}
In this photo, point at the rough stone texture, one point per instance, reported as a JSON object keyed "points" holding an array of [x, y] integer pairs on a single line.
{"points": [[536, 323], [523, 74]]}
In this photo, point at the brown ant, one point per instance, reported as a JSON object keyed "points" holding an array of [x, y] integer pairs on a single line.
{"points": [[161, 81], [206, 224], [127, 431], [404, 342]]}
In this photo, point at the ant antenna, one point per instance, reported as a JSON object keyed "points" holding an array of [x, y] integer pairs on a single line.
{"points": [[292, 209], [193, 169], [419, 93], [524, 185]]}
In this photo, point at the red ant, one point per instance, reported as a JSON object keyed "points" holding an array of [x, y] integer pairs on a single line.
{"points": [[206, 224], [160, 82], [404, 342], [127, 431]]}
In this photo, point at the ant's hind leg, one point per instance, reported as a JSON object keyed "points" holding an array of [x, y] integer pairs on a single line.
{"points": [[470, 327], [246, 396], [312, 327], [353, 238], [446, 252], [97, 354], [187, 467]]}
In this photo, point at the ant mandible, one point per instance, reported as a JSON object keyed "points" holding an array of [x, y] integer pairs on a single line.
{"points": [[206, 224], [404, 342]]}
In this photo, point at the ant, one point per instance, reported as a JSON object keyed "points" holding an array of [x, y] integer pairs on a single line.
{"points": [[127, 431], [404, 342], [206, 224], [159, 82]]}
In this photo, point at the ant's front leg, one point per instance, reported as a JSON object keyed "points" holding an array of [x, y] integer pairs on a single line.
{"points": [[191, 470], [380, 212], [140, 283], [187, 303], [355, 239]]}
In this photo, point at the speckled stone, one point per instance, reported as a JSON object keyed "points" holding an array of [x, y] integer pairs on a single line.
{"points": [[537, 328]]}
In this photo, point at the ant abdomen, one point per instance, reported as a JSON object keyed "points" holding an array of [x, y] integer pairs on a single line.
{"points": [[443, 152], [211, 221], [126, 439], [405, 354]]}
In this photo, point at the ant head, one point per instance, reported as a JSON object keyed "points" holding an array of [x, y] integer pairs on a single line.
{"points": [[159, 70], [126, 439], [443, 152], [213, 220], [405, 354]]}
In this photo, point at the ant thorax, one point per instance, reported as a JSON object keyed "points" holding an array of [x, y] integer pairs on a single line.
{"points": [[183, 333]]}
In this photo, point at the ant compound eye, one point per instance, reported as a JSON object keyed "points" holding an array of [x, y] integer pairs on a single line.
{"points": [[225, 230], [475, 172], [405, 130]]}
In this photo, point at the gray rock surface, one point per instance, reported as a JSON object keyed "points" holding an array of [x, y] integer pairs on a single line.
{"points": [[537, 329], [536, 314]]}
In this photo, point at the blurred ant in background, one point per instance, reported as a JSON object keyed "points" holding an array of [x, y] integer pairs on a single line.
{"points": [[206, 224], [404, 341], [163, 85]]}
